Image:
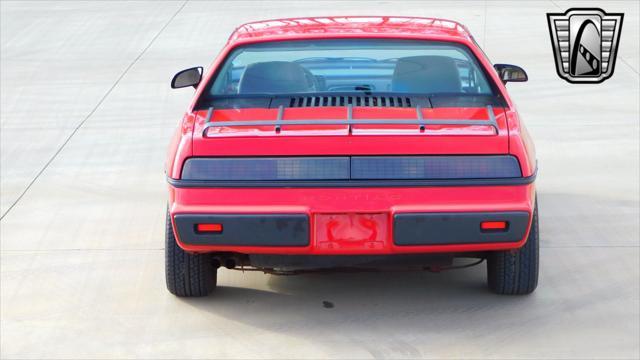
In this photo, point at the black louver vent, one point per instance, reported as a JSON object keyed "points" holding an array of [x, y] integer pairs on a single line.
{"points": [[373, 101]]}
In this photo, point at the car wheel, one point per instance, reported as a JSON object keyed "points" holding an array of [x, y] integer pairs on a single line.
{"points": [[515, 272], [187, 274]]}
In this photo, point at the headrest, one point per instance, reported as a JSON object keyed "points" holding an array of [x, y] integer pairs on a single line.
{"points": [[426, 74], [274, 77]]}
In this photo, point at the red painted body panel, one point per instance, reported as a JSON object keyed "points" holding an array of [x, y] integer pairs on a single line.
{"points": [[332, 25], [180, 147], [388, 201], [511, 138], [336, 140], [521, 144]]}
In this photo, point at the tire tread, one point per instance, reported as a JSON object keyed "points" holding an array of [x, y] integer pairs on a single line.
{"points": [[515, 272], [186, 274]]}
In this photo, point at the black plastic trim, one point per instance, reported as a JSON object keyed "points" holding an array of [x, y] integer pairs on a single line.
{"points": [[425, 100], [410, 229], [245, 229], [350, 183], [337, 262]]}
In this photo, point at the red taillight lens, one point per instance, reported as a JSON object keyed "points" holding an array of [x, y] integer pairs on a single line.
{"points": [[209, 227], [493, 225]]}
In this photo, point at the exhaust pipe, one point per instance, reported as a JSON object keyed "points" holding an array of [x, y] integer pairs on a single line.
{"points": [[230, 263]]}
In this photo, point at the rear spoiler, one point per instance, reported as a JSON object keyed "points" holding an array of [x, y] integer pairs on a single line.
{"points": [[419, 121]]}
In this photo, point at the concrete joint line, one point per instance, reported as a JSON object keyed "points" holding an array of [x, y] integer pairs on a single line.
{"points": [[95, 108]]}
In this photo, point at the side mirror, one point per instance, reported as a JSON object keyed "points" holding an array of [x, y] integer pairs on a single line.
{"points": [[512, 73], [186, 78]]}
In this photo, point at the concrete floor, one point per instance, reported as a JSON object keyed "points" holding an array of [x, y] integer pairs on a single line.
{"points": [[86, 118]]}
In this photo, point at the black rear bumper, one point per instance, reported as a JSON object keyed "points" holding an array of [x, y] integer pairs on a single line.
{"points": [[457, 228], [245, 229], [293, 230]]}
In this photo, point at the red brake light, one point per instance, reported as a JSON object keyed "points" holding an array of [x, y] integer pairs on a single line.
{"points": [[493, 225], [209, 227]]}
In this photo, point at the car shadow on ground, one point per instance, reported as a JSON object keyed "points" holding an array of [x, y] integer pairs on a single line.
{"points": [[423, 308], [357, 303]]}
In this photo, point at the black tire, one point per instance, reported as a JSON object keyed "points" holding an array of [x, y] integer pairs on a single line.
{"points": [[515, 272], [187, 275]]}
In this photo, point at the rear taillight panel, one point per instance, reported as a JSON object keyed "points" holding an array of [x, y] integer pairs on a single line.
{"points": [[352, 168]]}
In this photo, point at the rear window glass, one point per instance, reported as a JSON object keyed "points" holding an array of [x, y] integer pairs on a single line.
{"points": [[350, 65]]}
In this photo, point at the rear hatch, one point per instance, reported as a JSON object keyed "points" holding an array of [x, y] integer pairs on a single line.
{"points": [[338, 167]]}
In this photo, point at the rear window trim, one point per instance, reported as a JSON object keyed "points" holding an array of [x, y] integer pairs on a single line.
{"points": [[251, 101]]}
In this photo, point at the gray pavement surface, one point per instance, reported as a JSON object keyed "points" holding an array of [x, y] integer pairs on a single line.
{"points": [[86, 115]]}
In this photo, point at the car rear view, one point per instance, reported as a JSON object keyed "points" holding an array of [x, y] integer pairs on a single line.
{"points": [[351, 143]]}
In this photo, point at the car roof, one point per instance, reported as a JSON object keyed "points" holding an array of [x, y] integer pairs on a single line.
{"points": [[346, 25]]}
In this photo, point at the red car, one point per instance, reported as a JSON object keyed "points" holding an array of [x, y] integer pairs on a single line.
{"points": [[336, 143]]}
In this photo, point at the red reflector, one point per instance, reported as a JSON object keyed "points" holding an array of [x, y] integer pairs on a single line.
{"points": [[209, 227], [493, 225]]}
